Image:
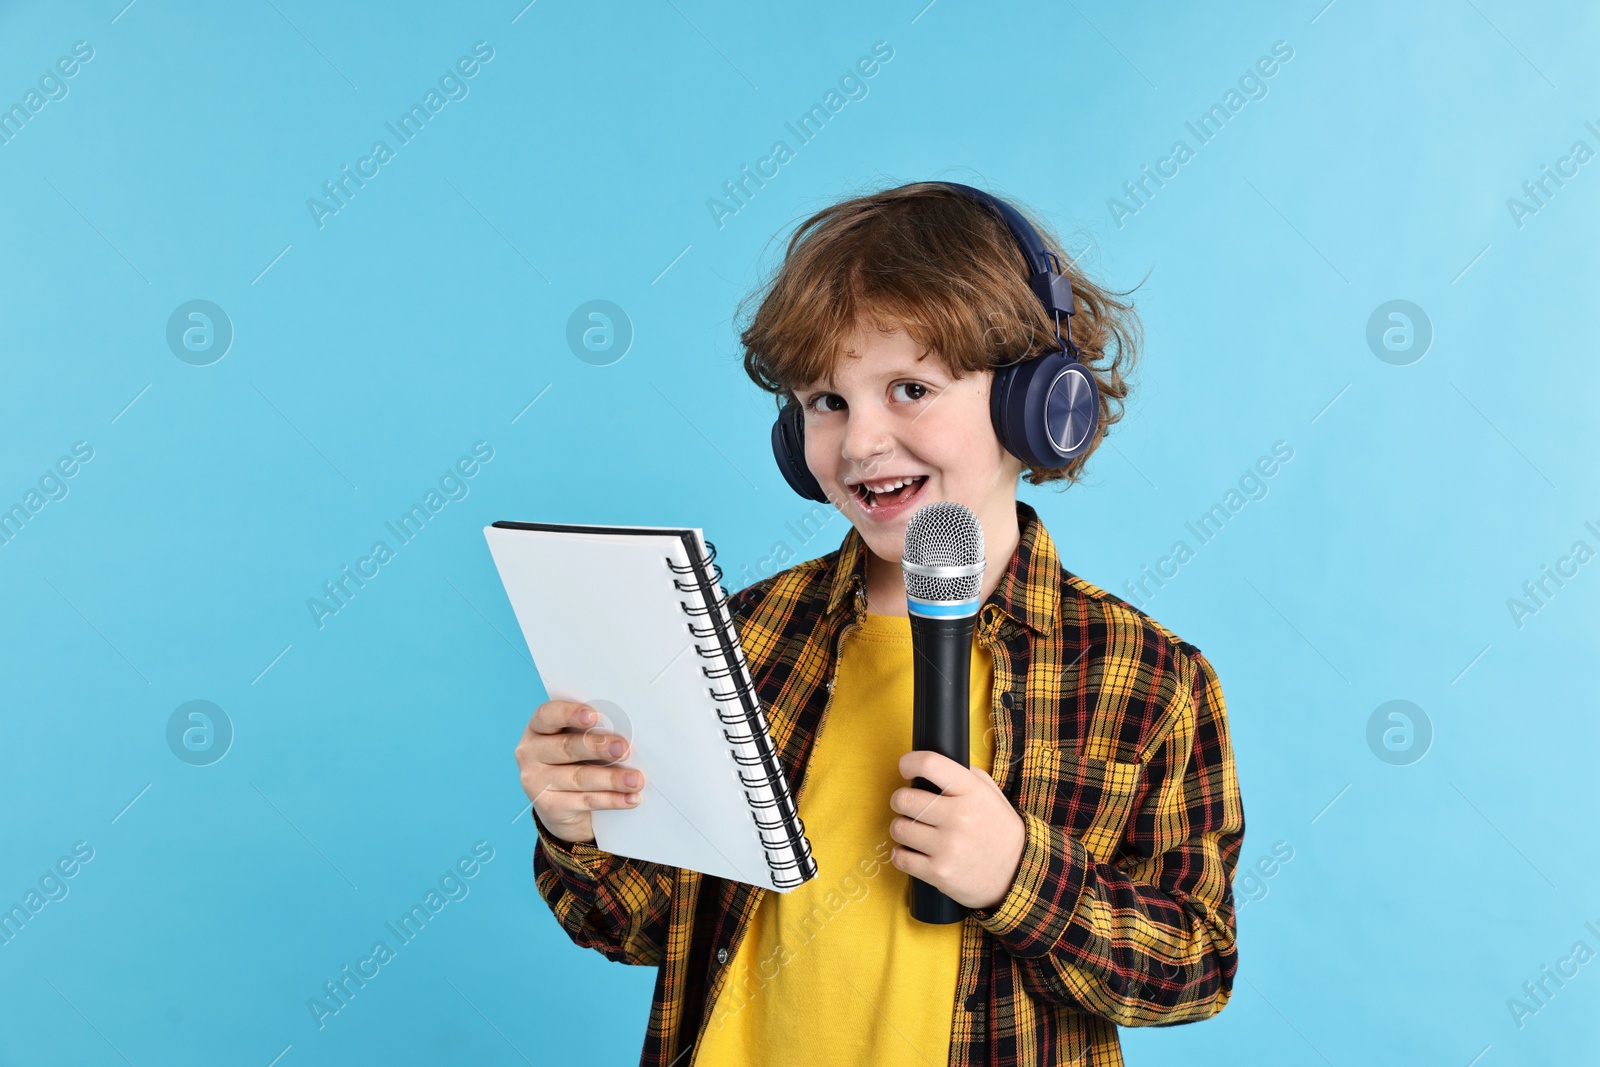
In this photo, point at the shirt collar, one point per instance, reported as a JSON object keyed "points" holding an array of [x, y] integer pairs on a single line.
{"points": [[1029, 591]]}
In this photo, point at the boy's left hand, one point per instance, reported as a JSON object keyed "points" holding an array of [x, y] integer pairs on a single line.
{"points": [[967, 842]]}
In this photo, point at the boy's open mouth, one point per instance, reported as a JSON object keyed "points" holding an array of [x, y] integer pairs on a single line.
{"points": [[872, 501]]}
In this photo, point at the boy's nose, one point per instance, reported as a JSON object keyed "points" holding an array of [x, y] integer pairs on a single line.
{"points": [[869, 463], [867, 445]]}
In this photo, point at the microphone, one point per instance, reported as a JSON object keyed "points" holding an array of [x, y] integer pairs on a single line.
{"points": [[943, 567]]}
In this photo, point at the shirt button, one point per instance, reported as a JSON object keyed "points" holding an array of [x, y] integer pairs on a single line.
{"points": [[974, 1001], [1006, 698], [722, 955]]}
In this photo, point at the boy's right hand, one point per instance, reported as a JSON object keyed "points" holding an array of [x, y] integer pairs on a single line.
{"points": [[567, 769]]}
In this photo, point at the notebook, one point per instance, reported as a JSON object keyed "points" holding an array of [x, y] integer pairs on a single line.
{"points": [[632, 621]]}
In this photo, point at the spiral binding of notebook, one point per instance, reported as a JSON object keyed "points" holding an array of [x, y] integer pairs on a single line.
{"points": [[766, 788]]}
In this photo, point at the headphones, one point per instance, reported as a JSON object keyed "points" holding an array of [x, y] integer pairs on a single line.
{"points": [[1044, 409]]}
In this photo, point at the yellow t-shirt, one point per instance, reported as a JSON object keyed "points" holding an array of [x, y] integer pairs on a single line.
{"points": [[837, 971]]}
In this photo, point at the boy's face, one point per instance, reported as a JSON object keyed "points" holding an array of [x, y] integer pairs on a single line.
{"points": [[894, 412]]}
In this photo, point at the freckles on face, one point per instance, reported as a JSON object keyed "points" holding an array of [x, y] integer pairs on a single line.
{"points": [[892, 412]]}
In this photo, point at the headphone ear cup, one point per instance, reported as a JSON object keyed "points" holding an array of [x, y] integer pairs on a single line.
{"points": [[1045, 410], [789, 449]]}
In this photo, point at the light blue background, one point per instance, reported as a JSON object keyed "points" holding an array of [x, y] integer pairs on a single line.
{"points": [[373, 752]]}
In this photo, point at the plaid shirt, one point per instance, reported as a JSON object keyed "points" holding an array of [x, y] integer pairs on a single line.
{"points": [[1111, 741]]}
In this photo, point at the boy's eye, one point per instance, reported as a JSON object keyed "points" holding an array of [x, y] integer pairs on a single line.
{"points": [[918, 390], [820, 403]]}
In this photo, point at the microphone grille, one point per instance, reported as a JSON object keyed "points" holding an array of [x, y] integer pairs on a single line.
{"points": [[944, 534]]}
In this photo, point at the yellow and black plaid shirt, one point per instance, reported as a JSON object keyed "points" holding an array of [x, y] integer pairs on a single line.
{"points": [[1111, 740]]}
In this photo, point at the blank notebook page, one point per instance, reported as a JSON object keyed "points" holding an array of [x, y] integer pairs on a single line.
{"points": [[605, 624]]}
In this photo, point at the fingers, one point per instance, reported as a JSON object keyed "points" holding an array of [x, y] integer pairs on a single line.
{"points": [[586, 777], [553, 716], [563, 806], [565, 731], [573, 747], [545, 782], [912, 834], [919, 804], [572, 821], [566, 762], [944, 772], [578, 789], [577, 747], [913, 863]]}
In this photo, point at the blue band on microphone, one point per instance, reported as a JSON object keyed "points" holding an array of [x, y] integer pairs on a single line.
{"points": [[942, 609]]}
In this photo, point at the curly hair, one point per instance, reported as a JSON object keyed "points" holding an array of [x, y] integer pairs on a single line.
{"points": [[929, 260]]}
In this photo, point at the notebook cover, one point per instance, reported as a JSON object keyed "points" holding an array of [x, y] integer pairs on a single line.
{"points": [[605, 625]]}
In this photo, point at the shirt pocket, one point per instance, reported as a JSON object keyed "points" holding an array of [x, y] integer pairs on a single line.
{"points": [[1091, 798]]}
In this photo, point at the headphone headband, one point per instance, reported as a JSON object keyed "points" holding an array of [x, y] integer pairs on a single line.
{"points": [[1045, 276]]}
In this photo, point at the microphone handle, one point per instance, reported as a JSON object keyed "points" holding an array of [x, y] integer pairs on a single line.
{"points": [[941, 685]]}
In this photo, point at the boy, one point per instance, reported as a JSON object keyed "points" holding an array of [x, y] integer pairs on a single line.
{"points": [[1093, 839]]}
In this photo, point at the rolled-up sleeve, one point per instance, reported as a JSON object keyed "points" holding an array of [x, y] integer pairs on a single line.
{"points": [[612, 904], [1146, 936]]}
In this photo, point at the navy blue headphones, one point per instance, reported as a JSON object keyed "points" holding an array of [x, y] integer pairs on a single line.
{"points": [[1044, 409]]}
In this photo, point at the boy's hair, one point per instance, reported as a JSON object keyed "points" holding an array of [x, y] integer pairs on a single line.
{"points": [[925, 258]]}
